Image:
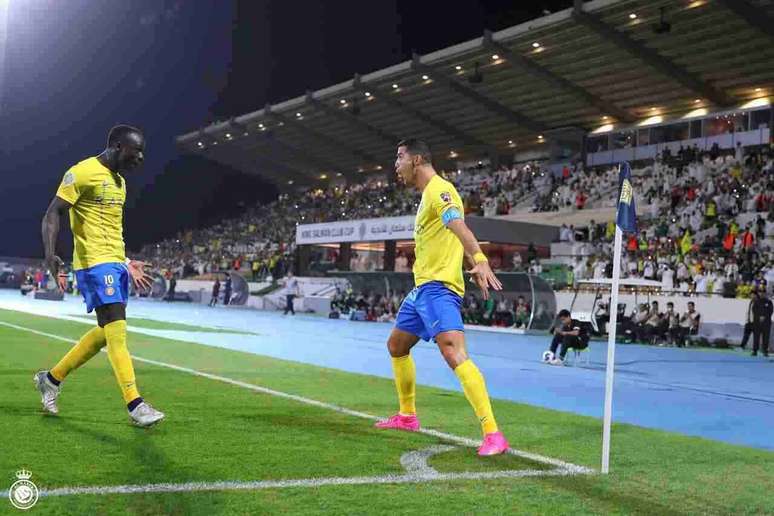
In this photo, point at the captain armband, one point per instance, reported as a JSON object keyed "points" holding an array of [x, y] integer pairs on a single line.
{"points": [[450, 215]]}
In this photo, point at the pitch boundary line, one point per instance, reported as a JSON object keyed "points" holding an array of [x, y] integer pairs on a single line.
{"points": [[563, 468], [303, 482], [414, 462]]}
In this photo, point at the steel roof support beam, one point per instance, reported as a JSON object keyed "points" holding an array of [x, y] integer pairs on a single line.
{"points": [[287, 171], [427, 119], [239, 129], [349, 118], [324, 138], [755, 17], [471, 94], [650, 57], [320, 164], [522, 64]]}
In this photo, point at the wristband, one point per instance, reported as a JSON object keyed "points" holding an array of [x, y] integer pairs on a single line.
{"points": [[127, 261], [480, 257]]}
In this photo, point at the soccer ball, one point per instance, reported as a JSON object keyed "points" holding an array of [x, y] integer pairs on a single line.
{"points": [[547, 356]]}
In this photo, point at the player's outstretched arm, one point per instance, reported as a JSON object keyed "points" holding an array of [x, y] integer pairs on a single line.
{"points": [[142, 280], [50, 230], [481, 272]]}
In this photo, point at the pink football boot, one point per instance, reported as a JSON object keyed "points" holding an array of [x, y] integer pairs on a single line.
{"points": [[400, 422], [494, 444]]}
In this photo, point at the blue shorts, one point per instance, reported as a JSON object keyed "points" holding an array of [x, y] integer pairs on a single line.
{"points": [[103, 284], [430, 309]]}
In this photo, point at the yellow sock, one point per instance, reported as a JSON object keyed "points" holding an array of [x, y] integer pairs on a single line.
{"points": [[405, 382], [115, 334], [475, 391], [89, 345]]}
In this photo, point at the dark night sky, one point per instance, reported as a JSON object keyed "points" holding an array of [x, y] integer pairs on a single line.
{"points": [[170, 66]]}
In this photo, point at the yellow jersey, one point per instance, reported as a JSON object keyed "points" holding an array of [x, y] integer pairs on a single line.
{"points": [[438, 251], [97, 196]]}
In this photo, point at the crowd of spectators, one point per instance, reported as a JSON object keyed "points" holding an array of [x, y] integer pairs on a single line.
{"points": [[262, 240], [706, 225], [370, 306], [706, 221], [649, 325]]}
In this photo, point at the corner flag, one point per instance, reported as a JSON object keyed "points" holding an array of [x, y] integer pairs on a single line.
{"points": [[626, 218], [625, 221]]}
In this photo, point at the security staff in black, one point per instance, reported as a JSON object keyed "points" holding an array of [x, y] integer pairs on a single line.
{"points": [[749, 322], [569, 333], [762, 309]]}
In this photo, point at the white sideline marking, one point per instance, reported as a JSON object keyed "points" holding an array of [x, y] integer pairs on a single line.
{"points": [[562, 468], [304, 482], [415, 463]]}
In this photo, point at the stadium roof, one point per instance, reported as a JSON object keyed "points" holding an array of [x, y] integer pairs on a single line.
{"points": [[600, 62]]}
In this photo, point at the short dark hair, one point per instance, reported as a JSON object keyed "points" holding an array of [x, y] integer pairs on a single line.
{"points": [[118, 132], [417, 148], [564, 313]]}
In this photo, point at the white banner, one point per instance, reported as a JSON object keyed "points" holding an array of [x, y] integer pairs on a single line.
{"points": [[364, 230]]}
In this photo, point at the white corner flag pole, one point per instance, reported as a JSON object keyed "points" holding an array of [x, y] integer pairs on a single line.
{"points": [[610, 370]]}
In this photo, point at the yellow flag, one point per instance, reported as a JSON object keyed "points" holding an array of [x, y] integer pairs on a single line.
{"points": [[686, 243]]}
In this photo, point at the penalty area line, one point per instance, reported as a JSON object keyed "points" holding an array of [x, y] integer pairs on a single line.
{"points": [[564, 468]]}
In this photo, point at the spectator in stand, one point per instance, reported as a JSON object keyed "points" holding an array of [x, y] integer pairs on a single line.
{"points": [[565, 234], [531, 252], [654, 326], [521, 312], [503, 315], [516, 261], [535, 268], [672, 320], [636, 327], [689, 321]]}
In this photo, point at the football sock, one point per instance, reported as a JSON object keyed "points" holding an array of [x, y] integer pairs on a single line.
{"points": [[115, 334], [405, 382], [89, 345], [133, 404], [475, 391]]}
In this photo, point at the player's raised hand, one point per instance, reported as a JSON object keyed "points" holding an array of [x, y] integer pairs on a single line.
{"points": [[485, 279], [55, 265], [142, 280]]}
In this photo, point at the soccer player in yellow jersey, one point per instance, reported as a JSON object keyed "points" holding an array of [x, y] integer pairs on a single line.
{"points": [[432, 309], [94, 192]]}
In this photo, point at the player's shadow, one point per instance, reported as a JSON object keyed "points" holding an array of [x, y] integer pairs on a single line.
{"points": [[147, 458], [585, 487], [319, 425]]}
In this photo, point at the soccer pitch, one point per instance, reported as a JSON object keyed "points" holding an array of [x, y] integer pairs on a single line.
{"points": [[247, 434]]}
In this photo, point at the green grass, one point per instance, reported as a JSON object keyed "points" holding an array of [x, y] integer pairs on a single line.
{"points": [[153, 324], [216, 431]]}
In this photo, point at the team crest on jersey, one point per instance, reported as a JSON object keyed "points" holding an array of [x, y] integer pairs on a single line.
{"points": [[69, 178], [110, 291], [445, 196]]}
